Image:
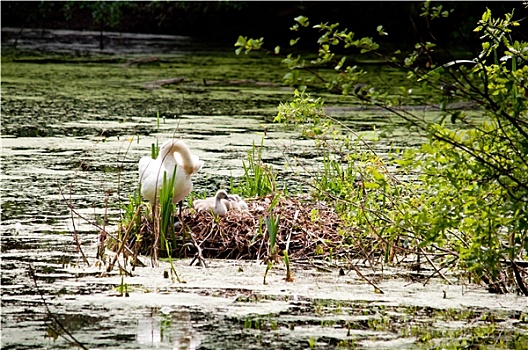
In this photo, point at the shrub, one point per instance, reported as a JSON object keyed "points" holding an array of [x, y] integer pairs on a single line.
{"points": [[464, 197]]}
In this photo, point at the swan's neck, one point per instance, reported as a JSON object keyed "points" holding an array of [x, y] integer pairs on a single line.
{"points": [[167, 157], [185, 153], [220, 207]]}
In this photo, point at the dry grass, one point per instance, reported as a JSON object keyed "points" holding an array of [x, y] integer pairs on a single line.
{"points": [[311, 228]]}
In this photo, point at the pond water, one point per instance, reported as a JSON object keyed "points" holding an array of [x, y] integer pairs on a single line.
{"points": [[75, 122]]}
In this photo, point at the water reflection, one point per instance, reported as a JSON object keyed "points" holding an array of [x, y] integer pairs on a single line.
{"points": [[167, 327], [82, 43]]}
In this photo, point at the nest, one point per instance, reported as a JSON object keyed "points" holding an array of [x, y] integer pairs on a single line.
{"points": [[305, 228]]}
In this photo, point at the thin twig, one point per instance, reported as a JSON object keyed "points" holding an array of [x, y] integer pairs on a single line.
{"points": [[378, 289], [434, 267], [72, 340], [75, 235], [198, 254], [519, 279], [123, 243]]}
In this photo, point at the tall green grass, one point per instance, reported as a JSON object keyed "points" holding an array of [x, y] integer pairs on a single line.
{"points": [[272, 226], [166, 212], [154, 150], [259, 179], [163, 217], [130, 215]]}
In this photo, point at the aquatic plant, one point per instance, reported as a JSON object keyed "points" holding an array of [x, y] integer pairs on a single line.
{"points": [[289, 276], [272, 226], [154, 149], [123, 288], [130, 212], [259, 179], [418, 326], [166, 211]]}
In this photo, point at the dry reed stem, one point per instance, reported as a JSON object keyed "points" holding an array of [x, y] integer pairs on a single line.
{"points": [[308, 229]]}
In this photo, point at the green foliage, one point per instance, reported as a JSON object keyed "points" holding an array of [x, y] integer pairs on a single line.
{"points": [[477, 175], [272, 225], [248, 45], [466, 203], [105, 13], [259, 179], [434, 12], [154, 150], [344, 159], [289, 277], [166, 212], [305, 72], [130, 216]]}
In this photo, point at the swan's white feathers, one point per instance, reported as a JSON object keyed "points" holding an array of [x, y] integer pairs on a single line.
{"points": [[172, 153], [220, 202], [196, 163], [144, 162], [237, 202], [217, 204]]}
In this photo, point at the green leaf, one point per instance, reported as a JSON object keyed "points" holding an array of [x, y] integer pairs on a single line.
{"points": [[241, 41], [380, 31], [486, 15], [302, 20], [371, 185]]}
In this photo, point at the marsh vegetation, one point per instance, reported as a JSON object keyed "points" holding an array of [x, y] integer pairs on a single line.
{"points": [[352, 238]]}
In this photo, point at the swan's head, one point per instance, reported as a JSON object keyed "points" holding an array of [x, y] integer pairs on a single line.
{"points": [[221, 194], [235, 198], [182, 155]]}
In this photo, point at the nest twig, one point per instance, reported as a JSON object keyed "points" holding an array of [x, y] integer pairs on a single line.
{"points": [[308, 229]]}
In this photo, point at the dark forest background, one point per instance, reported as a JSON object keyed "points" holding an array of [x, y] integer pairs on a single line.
{"points": [[224, 21]]}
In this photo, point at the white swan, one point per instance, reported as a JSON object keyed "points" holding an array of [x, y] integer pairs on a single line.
{"points": [[172, 153], [218, 204]]}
